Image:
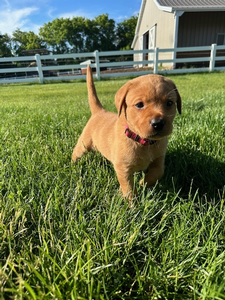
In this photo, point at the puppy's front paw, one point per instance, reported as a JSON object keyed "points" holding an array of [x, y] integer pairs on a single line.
{"points": [[74, 158], [148, 184]]}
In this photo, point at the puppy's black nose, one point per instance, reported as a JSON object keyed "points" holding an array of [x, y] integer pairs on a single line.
{"points": [[158, 124]]}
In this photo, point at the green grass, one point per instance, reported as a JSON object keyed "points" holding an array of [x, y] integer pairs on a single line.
{"points": [[65, 230]]}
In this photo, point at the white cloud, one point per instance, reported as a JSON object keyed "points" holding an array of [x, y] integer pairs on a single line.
{"points": [[11, 19], [88, 15], [124, 17], [121, 18], [50, 13]]}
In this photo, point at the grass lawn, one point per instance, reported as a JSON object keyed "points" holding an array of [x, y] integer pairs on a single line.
{"points": [[65, 230]]}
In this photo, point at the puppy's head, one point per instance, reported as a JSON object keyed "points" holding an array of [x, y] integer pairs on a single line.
{"points": [[149, 105]]}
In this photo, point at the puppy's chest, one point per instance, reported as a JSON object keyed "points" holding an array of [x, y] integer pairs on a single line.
{"points": [[142, 157]]}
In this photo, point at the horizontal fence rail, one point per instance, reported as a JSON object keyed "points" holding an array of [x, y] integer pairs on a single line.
{"points": [[41, 68]]}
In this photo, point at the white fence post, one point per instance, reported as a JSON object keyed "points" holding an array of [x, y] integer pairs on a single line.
{"points": [[156, 57], [97, 65], [212, 58], [40, 73]]}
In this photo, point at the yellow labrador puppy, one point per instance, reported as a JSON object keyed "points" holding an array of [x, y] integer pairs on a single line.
{"points": [[135, 139]]}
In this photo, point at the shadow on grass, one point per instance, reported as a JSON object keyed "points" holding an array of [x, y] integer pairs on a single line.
{"points": [[186, 171], [196, 171]]}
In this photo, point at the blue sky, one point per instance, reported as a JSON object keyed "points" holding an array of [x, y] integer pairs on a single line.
{"points": [[30, 15]]}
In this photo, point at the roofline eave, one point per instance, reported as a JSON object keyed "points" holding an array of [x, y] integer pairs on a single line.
{"points": [[210, 9], [164, 8], [139, 22], [172, 9]]}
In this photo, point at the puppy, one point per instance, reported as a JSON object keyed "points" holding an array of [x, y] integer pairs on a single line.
{"points": [[136, 138]]}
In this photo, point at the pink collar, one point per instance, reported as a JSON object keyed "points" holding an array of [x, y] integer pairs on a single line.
{"points": [[145, 142]]}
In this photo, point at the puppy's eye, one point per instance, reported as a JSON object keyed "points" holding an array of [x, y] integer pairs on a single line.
{"points": [[139, 105], [169, 103]]}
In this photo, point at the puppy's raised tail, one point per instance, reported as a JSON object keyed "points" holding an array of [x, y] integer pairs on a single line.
{"points": [[94, 102]]}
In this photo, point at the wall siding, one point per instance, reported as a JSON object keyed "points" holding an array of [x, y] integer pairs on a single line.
{"points": [[164, 27], [164, 21], [200, 28]]}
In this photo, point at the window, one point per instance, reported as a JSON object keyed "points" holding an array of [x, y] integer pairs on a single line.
{"points": [[220, 39]]}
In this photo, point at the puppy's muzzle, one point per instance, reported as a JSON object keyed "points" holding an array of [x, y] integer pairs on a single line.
{"points": [[158, 124]]}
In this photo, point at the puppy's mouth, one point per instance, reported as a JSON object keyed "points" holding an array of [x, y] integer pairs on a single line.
{"points": [[151, 136], [158, 135]]}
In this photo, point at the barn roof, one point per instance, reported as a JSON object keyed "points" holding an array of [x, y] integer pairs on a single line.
{"points": [[191, 5]]}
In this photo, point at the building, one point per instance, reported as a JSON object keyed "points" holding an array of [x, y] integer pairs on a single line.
{"points": [[179, 23]]}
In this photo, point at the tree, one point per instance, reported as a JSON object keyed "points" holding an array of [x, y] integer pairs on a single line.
{"points": [[125, 33], [26, 41], [64, 35], [106, 32], [100, 34], [5, 46], [79, 34], [76, 34], [55, 34], [91, 36]]}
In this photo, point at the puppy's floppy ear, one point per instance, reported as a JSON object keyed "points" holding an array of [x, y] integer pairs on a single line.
{"points": [[120, 97], [178, 101]]}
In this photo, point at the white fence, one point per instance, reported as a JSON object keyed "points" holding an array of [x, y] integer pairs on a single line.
{"points": [[111, 64]]}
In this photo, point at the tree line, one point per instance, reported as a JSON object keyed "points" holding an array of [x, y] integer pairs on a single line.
{"points": [[77, 34]]}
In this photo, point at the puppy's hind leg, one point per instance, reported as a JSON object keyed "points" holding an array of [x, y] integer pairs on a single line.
{"points": [[83, 145]]}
